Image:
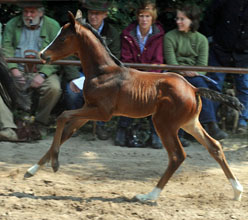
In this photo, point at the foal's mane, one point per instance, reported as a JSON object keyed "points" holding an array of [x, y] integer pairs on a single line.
{"points": [[101, 39]]}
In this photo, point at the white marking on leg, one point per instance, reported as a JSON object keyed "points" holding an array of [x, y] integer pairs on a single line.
{"points": [[32, 170], [153, 195], [237, 188]]}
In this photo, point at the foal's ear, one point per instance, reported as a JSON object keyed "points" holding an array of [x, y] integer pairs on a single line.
{"points": [[79, 14], [71, 18]]}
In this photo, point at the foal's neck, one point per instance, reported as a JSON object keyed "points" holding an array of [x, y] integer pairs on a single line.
{"points": [[93, 55]]}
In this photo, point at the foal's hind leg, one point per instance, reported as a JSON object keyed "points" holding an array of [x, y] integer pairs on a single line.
{"points": [[176, 154], [215, 149]]}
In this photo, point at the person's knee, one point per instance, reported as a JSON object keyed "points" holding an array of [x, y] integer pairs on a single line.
{"points": [[55, 90]]}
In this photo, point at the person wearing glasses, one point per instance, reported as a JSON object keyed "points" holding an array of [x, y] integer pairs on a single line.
{"points": [[186, 46]]}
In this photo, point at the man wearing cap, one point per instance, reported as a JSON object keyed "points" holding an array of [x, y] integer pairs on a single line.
{"points": [[32, 31], [97, 12]]}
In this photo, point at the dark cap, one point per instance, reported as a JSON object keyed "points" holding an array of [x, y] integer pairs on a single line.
{"points": [[96, 5], [31, 4]]}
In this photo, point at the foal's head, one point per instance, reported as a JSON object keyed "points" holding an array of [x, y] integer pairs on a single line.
{"points": [[64, 44]]}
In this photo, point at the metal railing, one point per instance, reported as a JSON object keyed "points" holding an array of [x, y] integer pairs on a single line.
{"points": [[234, 70]]}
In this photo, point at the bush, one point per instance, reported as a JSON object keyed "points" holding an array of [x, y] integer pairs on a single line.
{"points": [[121, 14]]}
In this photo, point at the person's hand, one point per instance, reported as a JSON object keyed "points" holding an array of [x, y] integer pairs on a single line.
{"points": [[189, 73], [37, 81], [17, 74], [74, 88]]}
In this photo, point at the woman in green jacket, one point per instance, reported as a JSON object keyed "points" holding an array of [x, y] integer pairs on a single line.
{"points": [[186, 46]]}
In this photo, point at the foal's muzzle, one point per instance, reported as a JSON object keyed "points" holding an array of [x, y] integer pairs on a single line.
{"points": [[46, 59]]}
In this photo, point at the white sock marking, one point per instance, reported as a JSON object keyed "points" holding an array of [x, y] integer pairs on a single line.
{"points": [[237, 188], [153, 195], [32, 170]]}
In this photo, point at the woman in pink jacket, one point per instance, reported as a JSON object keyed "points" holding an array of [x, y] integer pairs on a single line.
{"points": [[142, 42]]}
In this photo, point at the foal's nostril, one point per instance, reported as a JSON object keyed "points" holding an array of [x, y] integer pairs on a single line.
{"points": [[44, 57]]}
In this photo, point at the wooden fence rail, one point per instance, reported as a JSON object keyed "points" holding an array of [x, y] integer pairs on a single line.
{"points": [[234, 70]]}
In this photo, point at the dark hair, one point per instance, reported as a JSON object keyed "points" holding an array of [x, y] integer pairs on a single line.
{"points": [[193, 12]]}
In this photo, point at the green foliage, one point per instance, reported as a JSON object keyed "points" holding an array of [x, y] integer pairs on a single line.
{"points": [[8, 11], [121, 14], [123, 11]]}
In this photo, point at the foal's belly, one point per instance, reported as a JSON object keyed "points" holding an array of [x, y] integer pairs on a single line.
{"points": [[134, 109]]}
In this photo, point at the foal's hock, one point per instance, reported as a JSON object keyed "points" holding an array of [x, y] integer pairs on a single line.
{"points": [[113, 90]]}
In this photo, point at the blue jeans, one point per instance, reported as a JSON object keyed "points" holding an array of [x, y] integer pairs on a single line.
{"points": [[241, 83], [73, 100], [208, 112]]}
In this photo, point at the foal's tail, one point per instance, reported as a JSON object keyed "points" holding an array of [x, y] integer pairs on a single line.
{"points": [[228, 100]]}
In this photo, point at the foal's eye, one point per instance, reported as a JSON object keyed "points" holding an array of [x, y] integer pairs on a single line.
{"points": [[62, 38]]}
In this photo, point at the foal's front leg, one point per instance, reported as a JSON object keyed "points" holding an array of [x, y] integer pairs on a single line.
{"points": [[76, 119]]}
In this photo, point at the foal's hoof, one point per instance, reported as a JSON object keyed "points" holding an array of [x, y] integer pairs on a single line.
{"points": [[238, 195], [55, 166], [27, 175], [31, 171]]}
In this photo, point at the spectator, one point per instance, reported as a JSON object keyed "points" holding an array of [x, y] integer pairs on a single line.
{"points": [[226, 26], [32, 30], [186, 46], [0, 34], [142, 42], [7, 125], [97, 12]]}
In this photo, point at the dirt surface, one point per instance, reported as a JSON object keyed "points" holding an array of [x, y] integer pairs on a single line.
{"points": [[98, 180]]}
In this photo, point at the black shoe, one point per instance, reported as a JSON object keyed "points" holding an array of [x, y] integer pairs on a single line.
{"points": [[214, 131], [184, 142], [156, 142], [102, 133], [120, 139]]}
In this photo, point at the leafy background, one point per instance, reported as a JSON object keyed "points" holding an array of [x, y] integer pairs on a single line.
{"points": [[121, 14]]}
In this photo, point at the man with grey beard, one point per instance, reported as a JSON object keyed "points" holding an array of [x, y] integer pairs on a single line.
{"points": [[23, 35]]}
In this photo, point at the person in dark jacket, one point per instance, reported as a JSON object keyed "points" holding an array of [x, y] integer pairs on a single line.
{"points": [[97, 12], [226, 26], [142, 42]]}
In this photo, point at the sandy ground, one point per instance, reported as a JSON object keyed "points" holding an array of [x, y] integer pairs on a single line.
{"points": [[98, 180]]}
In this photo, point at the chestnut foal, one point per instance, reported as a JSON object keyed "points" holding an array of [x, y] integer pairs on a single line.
{"points": [[113, 90]]}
